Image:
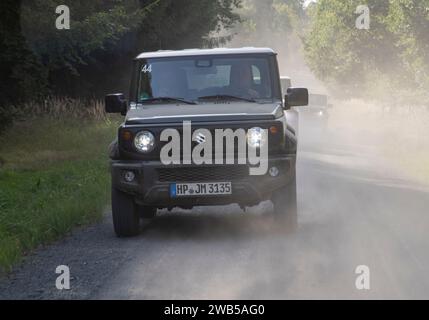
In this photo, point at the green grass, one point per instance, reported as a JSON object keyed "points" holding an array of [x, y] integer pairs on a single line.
{"points": [[54, 177]]}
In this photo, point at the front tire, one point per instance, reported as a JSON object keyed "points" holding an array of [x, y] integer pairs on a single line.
{"points": [[126, 222], [285, 207]]}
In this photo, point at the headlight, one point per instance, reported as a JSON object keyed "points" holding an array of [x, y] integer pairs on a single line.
{"points": [[256, 137], [144, 141]]}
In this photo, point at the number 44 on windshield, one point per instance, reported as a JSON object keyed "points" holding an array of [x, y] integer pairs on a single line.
{"points": [[147, 68]]}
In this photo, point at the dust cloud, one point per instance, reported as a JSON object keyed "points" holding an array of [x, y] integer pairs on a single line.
{"points": [[389, 136], [363, 190]]}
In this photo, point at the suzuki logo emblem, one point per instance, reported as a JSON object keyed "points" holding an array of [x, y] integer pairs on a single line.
{"points": [[200, 138]]}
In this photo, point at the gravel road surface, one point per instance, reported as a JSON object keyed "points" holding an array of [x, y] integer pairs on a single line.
{"points": [[353, 210]]}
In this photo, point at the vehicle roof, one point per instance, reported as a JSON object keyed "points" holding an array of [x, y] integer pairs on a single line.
{"points": [[202, 52]]}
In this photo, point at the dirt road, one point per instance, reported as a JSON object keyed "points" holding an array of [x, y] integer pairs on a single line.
{"points": [[353, 210]]}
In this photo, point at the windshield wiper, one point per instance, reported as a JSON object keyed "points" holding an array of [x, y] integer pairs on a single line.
{"points": [[172, 99], [225, 96]]}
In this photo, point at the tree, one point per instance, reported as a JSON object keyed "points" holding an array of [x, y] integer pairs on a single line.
{"points": [[95, 55], [408, 20], [20, 71], [394, 48], [269, 20]]}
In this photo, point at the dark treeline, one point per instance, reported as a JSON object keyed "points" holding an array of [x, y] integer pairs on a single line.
{"points": [[95, 55]]}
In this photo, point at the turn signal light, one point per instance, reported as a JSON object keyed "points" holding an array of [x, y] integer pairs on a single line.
{"points": [[127, 135], [274, 130]]}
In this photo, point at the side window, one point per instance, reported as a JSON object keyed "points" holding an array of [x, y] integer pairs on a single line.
{"points": [[261, 79], [256, 75]]}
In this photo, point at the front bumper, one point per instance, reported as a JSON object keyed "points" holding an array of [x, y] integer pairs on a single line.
{"points": [[151, 184]]}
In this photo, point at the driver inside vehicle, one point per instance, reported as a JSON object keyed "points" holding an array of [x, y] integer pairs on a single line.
{"points": [[242, 81]]}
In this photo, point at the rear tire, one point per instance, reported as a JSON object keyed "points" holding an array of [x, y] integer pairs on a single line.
{"points": [[285, 207], [126, 222], [146, 212]]}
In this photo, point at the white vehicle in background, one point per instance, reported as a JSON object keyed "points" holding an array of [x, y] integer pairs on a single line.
{"points": [[315, 115], [291, 114], [286, 83]]}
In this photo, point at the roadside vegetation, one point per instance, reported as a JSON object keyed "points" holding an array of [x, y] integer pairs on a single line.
{"points": [[53, 175], [388, 62], [54, 134]]}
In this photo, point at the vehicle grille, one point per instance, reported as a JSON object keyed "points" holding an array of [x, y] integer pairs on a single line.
{"points": [[197, 174]]}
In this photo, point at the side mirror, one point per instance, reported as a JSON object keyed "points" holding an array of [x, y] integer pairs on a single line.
{"points": [[116, 103], [296, 97]]}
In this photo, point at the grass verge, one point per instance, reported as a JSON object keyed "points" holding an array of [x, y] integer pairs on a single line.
{"points": [[53, 176]]}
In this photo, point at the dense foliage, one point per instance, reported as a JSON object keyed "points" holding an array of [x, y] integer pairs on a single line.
{"points": [[393, 51], [94, 55]]}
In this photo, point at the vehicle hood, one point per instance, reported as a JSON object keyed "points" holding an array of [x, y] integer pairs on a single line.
{"points": [[204, 112]]}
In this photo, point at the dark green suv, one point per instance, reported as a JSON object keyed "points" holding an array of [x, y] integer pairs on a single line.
{"points": [[182, 107]]}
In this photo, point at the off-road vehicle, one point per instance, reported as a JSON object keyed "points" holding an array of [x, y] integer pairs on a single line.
{"points": [[209, 90]]}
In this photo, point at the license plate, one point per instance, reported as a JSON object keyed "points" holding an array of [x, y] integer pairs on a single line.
{"points": [[200, 189]]}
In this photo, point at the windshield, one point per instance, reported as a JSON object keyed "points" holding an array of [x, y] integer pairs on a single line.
{"points": [[206, 77]]}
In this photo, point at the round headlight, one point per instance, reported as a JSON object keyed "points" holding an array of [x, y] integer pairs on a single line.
{"points": [[256, 137], [144, 141]]}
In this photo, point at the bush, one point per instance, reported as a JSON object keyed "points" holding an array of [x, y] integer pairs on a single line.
{"points": [[63, 108]]}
